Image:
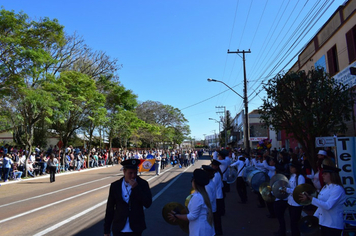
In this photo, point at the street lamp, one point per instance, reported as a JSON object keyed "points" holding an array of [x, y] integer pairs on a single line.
{"points": [[246, 112], [214, 80]]}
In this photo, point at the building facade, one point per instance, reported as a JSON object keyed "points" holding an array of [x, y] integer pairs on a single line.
{"points": [[333, 48]]}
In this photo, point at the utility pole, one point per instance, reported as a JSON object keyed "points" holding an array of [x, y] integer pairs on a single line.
{"points": [[221, 120], [247, 136]]}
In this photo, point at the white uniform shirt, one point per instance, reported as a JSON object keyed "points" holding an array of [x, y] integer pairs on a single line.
{"points": [[198, 217], [330, 203], [239, 164], [292, 185], [126, 192], [247, 161], [271, 169], [211, 190], [218, 184], [223, 167]]}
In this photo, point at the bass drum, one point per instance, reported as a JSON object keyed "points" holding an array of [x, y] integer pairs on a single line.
{"points": [[256, 178], [248, 170], [232, 175]]}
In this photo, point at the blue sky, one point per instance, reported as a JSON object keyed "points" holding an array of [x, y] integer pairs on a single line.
{"points": [[168, 48]]}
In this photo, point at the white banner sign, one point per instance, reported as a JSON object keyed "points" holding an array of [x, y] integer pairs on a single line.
{"points": [[347, 163], [325, 142]]}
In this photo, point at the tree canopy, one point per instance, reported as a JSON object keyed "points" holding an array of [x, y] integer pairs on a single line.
{"points": [[307, 105], [53, 81]]}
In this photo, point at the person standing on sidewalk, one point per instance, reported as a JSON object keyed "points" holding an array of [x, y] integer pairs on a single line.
{"points": [[52, 164], [158, 163]]}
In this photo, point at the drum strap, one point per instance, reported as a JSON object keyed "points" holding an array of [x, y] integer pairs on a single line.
{"points": [[241, 169]]}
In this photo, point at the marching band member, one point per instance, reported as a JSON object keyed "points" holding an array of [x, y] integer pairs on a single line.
{"points": [[127, 198], [211, 188], [240, 182], [219, 196], [330, 201], [295, 210], [200, 214]]}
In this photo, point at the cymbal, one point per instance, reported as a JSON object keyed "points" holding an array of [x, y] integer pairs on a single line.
{"points": [[187, 200], [302, 188], [277, 177], [262, 186], [309, 225], [266, 194], [278, 187], [172, 206]]}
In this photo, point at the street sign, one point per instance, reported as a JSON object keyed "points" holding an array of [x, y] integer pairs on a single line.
{"points": [[325, 142]]}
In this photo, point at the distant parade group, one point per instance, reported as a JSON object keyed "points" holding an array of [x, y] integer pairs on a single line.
{"points": [[282, 180]]}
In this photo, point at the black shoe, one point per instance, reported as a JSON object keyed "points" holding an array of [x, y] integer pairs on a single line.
{"points": [[271, 216]]}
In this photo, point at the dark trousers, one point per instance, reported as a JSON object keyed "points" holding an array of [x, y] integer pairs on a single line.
{"points": [[226, 187], [241, 189], [279, 209], [129, 234], [295, 213], [326, 231], [52, 172], [217, 223], [270, 207]]}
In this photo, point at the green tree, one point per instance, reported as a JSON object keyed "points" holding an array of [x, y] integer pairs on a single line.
{"points": [[166, 117], [306, 106], [79, 101], [25, 47]]}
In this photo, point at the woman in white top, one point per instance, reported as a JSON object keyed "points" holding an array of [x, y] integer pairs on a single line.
{"points": [[52, 164], [295, 210], [330, 202], [200, 215]]}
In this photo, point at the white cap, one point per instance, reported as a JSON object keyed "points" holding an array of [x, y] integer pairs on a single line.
{"points": [[322, 152]]}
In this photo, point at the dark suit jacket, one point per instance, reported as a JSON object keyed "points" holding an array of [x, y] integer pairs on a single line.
{"points": [[117, 210]]}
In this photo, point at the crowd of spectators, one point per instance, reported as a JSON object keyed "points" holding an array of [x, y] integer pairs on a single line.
{"points": [[14, 162]]}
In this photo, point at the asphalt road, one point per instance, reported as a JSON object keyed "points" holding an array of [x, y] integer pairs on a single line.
{"points": [[75, 204]]}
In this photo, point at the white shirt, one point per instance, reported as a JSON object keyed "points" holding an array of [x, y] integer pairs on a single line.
{"points": [[330, 203], [218, 184], [239, 165], [223, 167], [271, 169], [211, 190], [292, 185], [215, 155], [198, 217], [126, 192]]}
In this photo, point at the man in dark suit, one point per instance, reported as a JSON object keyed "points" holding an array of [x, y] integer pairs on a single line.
{"points": [[127, 197]]}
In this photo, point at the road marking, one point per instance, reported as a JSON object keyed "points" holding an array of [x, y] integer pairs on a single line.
{"points": [[49, 205], [56, 226], [70, 219], [46, 194], [168, 185]]}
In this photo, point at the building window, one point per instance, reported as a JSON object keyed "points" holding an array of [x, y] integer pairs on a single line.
{"points": [[333, 61], [351, 44]]}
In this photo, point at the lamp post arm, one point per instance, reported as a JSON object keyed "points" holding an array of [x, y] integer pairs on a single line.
{"points": [[230, 88]]}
